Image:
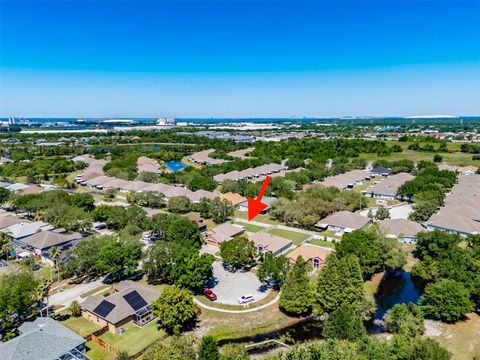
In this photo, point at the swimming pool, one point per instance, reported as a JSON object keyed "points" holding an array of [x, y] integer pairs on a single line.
{"points": [[175, 165]]}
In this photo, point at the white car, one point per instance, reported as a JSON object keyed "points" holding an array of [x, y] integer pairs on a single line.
{"points": [[245, 299]]}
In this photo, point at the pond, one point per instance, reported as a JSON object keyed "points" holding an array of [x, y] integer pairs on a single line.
{"points": [[175, 165], [396, 287]]}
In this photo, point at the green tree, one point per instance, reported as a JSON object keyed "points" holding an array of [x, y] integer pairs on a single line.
{"points": [[221, 210], [238, 252], [446, 300], [82, 200], [17, 297], [382, 213], [179, 205], [405, 319], [367, 247], [339, 283], [4, 195], [344, 323], [75, 309], [273, 267], [208, 349], [175, 309], [184, 232], [437, 158], [296, 295]]}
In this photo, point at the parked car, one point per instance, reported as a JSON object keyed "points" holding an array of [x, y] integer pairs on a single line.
{"points": [[245, 299], [210, 295]]}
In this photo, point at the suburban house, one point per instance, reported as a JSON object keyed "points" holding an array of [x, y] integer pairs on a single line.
{"points": [[234, 198], [312, 254], [129, 304], [25, 229], [346, 180], [41, 242], [223, 232], [265, 242], [343, 221], [388, 189], [199, 221], [267, 200], [401, 229], [467, 170], [380, 171], [8, 219], [454, 224], [461, 213], [43, 339]]}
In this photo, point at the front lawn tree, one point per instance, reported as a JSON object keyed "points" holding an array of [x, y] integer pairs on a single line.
{"points": [[296, 295], [175, 309], [238, 252], [273, 267], [382, 213]]}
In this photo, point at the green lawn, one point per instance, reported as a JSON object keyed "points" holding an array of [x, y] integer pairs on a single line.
{"points": [[297, 238], [250, 227], [102, 288], [454, 158], [80, 325], [322, 243], [95, 352], [135, 338]]}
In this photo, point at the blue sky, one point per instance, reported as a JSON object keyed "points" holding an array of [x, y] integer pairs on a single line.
{"points": [[239, 59]]}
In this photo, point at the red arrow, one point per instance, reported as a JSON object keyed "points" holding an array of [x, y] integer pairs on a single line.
{"points": [[255, 206]]}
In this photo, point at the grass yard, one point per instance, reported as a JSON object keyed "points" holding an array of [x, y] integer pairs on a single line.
{"points": [[102, 289], [322, 243], [81, 326], [462, 339], [135, 338], [271, 295], [454, 158], [264, 218], [249, 227], [297, 238], [95, 352]]}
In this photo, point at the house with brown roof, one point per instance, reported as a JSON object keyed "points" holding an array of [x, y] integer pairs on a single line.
{"points": [[129, 304], [223, 232], [265, 242], [401, 229], [343, 221], [312, 254], [234, 198], [199, 221]]}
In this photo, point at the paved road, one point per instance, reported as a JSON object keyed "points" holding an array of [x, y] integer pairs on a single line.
{"points": [[66, 297], [202, 305]]}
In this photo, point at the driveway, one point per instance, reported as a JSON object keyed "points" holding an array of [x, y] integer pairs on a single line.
{"points": [[230, 286], [66, 297], [396, 212]]}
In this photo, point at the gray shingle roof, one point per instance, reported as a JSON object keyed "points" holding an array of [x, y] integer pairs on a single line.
{"points": [[42, 339]]}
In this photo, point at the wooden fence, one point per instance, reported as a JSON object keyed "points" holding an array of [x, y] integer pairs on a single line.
{"points": [[95, 338]]}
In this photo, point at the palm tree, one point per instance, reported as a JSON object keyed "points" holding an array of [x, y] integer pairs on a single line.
{"points": [[41, 293], [55, 253], [5, 244]]}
